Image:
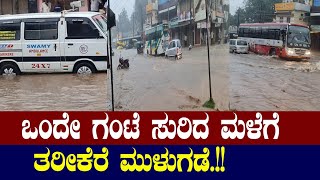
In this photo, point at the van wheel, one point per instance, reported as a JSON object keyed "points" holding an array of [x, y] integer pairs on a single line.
{"points": [[84, 69], [9, 70]]}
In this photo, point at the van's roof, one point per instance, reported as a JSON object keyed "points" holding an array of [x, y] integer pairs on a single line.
{"points": [[47, 15]]}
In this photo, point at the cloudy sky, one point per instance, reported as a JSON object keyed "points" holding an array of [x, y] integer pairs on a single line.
{"points": [[234, 4]]}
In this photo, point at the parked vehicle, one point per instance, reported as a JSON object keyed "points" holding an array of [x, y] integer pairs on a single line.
{"points": [[53, 42], [238, 46], [174, 49], [123, 63]]}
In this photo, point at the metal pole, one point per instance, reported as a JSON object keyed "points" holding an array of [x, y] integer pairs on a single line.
{"points": [[208, 46], [191, 32], [110, 57], [133, 25]]}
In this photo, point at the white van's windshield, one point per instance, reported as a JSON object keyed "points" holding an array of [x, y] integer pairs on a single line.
{"points": [[102, 23]]}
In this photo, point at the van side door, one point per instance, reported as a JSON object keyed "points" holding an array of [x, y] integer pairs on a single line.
{"points": [[41, 45], [84, 42]]}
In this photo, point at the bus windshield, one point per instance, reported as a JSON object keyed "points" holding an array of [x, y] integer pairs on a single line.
{"points": [[298, 37]]}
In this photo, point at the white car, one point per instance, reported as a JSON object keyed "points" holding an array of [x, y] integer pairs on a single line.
{"points": [[238, 46], [174, 49]]}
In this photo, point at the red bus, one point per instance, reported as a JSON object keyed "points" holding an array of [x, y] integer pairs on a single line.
{"points": [[291, 41]]}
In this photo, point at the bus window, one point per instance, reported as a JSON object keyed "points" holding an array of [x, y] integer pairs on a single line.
{"points": [[258, 32], [246, 32], [272, 34], [252, 32], [264, 33]]}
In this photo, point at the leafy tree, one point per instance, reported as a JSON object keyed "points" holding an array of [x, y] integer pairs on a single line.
{"points": [[140, 14], [123, 22], [254, 11]]}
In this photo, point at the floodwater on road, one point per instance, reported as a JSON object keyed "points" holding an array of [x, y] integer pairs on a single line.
{"points": [[246, 82], [151, 83], [53, 92], [156, 83], [267, 83]]}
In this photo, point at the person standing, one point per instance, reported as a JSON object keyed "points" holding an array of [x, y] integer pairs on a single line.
{"points": [[95, 5], [46, 6]]}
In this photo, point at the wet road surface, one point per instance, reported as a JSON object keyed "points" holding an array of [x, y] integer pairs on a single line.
{"points": [[239, 82], [54, 92], [151, 83], [156, 83], [269, 83]]}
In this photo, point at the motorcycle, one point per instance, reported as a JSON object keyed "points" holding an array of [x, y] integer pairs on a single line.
{"points": [[123, 63]]}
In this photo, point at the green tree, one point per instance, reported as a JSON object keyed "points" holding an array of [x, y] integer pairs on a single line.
{"points": [[140, 14], [260, 10], [123, 22], [254, 11]]}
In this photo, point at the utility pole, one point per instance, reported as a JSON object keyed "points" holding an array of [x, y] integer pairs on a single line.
{"points": [[110, 56], [238, 17], [210, 103], [191, 31], [132, 19], [260, 21]]}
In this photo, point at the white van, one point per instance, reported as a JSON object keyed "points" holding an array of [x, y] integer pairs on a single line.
{"points": [[53, 42], [238, 46]]}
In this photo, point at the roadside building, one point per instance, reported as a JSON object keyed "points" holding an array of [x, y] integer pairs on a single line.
{"points": [[168, 13], [315, 25], [17, 6], [200, 21], [218, 11], [293, 11], [182, 25], [34, 6], [219, 20], [152, 13]]}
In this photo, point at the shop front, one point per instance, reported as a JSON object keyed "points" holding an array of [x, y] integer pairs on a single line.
{"points": [[65, 4], [34, 6], [14, 6], [200, 21]]}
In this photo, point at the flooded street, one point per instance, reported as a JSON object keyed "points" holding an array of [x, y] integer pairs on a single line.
{"points": [[53, 92], [239, 82], [156, 83], [267, 83]]}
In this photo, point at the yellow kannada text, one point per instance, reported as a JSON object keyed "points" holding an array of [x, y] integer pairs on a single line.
{"points": [[172, 162], [73, 162]]}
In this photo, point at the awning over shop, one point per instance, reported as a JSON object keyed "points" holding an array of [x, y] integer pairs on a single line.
{"points": [[180, 23]]}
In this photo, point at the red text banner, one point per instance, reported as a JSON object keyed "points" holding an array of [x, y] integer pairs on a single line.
{"points": [[159, 128]]}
